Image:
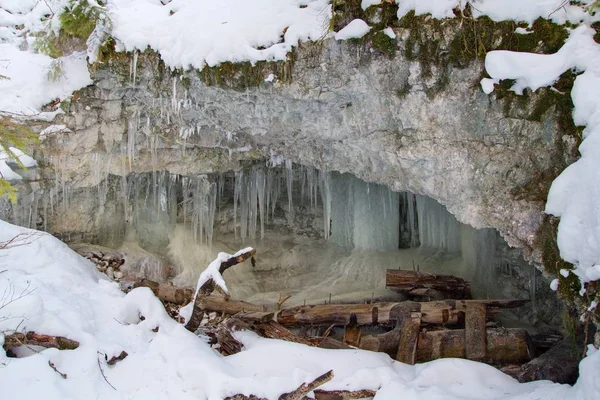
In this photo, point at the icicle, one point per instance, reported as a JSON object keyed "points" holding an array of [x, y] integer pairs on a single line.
{"points": [[326, 201], [289, 179], [133, 68], [174, 95]]}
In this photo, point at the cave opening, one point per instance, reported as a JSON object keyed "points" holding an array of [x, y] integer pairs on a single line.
{"points": [[321, 236]]}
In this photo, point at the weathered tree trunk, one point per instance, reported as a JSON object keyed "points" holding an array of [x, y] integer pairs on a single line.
{"points": [[167, 292], [423, 284], [209, 286], [36, 339], [502, 345]]}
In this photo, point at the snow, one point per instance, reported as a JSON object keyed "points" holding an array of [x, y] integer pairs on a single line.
{"points": [[390, 33], [354, 30], [192, 33], [34, 79], [64, 295], [6, 172], [501, 10], [575, 194], [554, 284], [368, 3]]}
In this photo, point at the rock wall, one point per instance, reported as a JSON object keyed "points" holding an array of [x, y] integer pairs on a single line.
{"points": [[337, 106]]}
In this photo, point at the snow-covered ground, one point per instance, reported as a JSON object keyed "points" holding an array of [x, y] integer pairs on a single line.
{"points": [[62, 294]]}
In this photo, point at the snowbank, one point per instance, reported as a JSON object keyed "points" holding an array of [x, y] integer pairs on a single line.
{"points": [[57, 292], [193, 33]]}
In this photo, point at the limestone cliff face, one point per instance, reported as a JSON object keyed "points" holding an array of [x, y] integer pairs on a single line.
{"points": [[338, 107]]}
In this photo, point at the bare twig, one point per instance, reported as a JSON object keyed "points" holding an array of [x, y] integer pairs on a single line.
{"points": [[102, 371], [51, 364]]}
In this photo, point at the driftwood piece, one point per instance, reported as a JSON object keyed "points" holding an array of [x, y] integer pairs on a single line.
{"points": [[36, 339], [305, 388], [167, 291], [560, 364], [475, 332], [423, 284], [502, 345], [209, 286], [449, 312], [343, 394]]}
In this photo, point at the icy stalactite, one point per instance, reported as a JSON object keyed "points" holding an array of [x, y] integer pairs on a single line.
{"points": [[325, 189], [289, 179], [438, 229], [363, 216], [133, 68]]}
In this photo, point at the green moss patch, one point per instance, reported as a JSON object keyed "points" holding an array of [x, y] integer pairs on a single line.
{"points": [[78, 19]]}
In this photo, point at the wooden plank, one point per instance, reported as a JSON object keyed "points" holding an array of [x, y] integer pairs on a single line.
{"points": [[409, 336], [475, 333]]}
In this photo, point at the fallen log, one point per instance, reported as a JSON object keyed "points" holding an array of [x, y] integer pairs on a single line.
{"points": [[167, 291], [449, 312], [427, 285], [222, 305], [35, 339], [209, 285], [502, 345], [560, 364]]}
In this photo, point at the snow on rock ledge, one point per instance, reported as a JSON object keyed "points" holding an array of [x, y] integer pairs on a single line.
{"points": [[354, 30], [575, 194], [193, 33]]}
